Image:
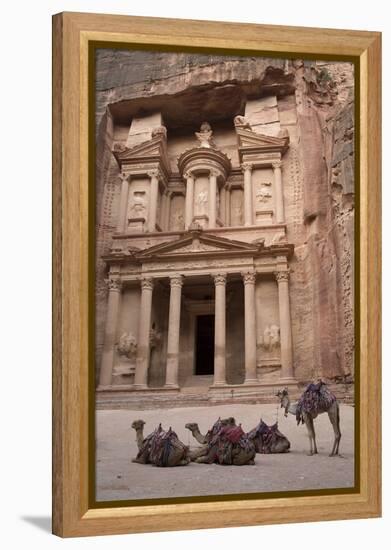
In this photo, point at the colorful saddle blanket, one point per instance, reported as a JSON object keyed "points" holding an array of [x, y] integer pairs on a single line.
{"points": [[316, 398], [156, 448], [264, 436]]}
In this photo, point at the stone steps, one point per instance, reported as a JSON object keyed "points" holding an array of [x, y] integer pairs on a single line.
{"points": [[201, 396]]}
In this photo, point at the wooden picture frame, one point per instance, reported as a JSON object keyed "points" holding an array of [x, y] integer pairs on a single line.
{"points": [[72, 513]]}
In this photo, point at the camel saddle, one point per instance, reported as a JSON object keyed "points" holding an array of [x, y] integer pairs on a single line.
{"points": [[267, 434], [315, 399]]}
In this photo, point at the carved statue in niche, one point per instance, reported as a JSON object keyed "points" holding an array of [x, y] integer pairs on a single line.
{"points": [[201, 201], [264, 192], [270, 340], [177, 221], [138, 205], [127, 345], [204, 136], [237, 213], [155, 337]]}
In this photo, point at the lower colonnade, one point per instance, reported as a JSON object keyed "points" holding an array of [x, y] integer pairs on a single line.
{"points": [[176, 281]]}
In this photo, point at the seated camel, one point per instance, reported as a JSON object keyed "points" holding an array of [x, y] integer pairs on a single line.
{"points": [[269, 439], [161, 448], [224, 443]]}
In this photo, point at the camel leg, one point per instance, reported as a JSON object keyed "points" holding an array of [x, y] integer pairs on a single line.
{"points": [[197, 453], [334, 419], [311, 434]]}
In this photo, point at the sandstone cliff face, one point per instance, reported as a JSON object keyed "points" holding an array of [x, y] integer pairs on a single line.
{"points": [[316, 106]]}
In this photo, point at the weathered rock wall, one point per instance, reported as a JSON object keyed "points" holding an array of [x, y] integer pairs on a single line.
{"points": [[316, 106]]}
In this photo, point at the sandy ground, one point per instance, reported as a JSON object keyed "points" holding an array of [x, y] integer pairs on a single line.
{"points": [[118, 478]]}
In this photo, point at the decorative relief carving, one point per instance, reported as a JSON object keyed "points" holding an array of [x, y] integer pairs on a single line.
{"points": [[220, 279], [127, 345], [242, 122], [204, 136], [282, 276], [264, 192], [197, 246], [159, 131], [249, 277], [271, 338], [138, 204]]}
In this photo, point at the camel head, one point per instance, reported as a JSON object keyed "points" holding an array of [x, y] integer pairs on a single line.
{"points": [[284, 399], [138, 425], [192, 426]]}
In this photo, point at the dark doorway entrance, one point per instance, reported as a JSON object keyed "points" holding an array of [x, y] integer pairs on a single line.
{"points": [[205, 344]]}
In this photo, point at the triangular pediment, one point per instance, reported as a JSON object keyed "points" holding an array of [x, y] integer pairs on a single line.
{"points": [[195, 242], [154, 149], [248, 139]]}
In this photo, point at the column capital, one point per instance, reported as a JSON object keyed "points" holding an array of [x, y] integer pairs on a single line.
{"points": [[123, 176], [146, 283], [114, 284], [220, 278], [155, 173], [277, 164], [214, 172], [188, 175], [282, 276], [249, 277], [246, 166], [176, 280]]}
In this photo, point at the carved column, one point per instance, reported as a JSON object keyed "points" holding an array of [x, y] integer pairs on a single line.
{"points": [[106, 368], [220, 330], [285, 325], [189, 199], [280, 216], [143, 345], [228, 206], [222, 204], [212, 199], [153, 199], [248, 194], [123, 205], [250, 336], [174, 318], [166, 210]]}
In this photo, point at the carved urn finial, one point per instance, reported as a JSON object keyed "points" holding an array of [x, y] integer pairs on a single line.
{"points": [[204, 136]]}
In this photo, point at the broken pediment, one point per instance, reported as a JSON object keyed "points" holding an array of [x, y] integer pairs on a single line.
{"points": [[153, 150], [252, 142]]}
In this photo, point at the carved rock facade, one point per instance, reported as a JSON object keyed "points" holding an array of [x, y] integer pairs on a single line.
{"points": [[223, 206]]}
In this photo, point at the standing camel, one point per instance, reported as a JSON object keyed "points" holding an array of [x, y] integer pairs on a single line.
{"points": [[316, 399]]}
